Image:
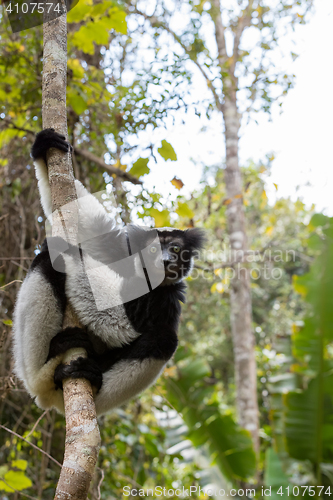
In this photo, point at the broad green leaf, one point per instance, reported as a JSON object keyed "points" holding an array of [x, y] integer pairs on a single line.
{"points": [[89, 33], [76, 101], [100, 8], [80, 12], [230, 447], [302, 422], [195, 370], [167, 152], [307, 347], [75, 66], [140, 167], [116, 20], [319, 220], [274, 477], [161, 217], [308, 412], [20, 464], [15, 480], [183, 210]]}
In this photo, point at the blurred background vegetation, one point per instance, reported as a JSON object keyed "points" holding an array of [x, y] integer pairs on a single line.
{"points": [[183, 431]]}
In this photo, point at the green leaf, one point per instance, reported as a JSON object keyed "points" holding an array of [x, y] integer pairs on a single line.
{"points": [[302, 423], [7, 322], [116, 20], [94, 31], [20, 464], [15, 480], [100, 8], [308, 412], [82, 40], [274, 477], [229, 446], [161, 217], [194, 371], [318, 220], [75, 66], [80, 12], [183, 210], [76, 101], [167, 152], [140, 167]]}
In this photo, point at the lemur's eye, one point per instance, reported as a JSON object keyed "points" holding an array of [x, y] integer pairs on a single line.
{"points": [[153, 249], [176, 248]]}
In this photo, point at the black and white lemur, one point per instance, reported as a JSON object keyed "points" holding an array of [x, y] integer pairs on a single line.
{"points": [[131, 337]]}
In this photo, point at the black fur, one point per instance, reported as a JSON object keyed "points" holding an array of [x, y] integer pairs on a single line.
{"points": [[43, 263], [47, 139], [156, 317], [79, 368], [68, 339]]}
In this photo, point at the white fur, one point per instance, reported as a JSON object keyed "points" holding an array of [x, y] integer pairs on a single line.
{"points": [[37, 319], [43, 186], [125, 380], [110, 323], [88, 205]]}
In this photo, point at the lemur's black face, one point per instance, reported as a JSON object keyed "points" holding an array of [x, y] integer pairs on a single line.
{"points": [[176, 250], [176, 257]]}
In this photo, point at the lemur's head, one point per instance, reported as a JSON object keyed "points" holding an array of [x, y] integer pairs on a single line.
{"points": [[167, 253], [178, 251]]}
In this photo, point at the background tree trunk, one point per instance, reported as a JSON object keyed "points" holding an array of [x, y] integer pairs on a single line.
{"points": [[82, 432], [240, 297]]}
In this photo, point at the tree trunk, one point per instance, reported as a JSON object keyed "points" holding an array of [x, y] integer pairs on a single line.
{"points": [[82, 432], [240, 297]]}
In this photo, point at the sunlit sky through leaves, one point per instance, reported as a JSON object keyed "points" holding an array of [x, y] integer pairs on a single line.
{"points": [[301, 138]]}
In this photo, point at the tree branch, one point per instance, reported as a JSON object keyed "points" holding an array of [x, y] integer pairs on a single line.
{"points": [[243, 23], [85, 154], [31, 444], [110, 168], [156, 23], [15, 127], [216, 16]]}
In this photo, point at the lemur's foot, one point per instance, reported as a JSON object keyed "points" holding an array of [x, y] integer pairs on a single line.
{"points": [[47, 139], [79, 368], [69, 339]]}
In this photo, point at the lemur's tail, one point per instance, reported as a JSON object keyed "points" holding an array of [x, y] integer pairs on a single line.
{"points": [[43, 186]]}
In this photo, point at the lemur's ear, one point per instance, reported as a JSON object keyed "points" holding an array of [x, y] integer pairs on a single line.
{"points": [[195, 238]]}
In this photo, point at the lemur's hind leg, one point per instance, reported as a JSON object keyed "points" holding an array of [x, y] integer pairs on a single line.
{"points": [[79, 368]]}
